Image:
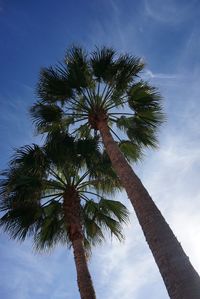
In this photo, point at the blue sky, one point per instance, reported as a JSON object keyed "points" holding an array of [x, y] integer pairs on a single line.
{"points": [[167, 35]]}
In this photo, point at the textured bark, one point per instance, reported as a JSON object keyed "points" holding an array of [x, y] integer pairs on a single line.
{"points": [[73, 223], [180, 278]]}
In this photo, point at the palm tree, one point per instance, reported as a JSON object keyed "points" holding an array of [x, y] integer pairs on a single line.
{"points": [[50, 194], [104, 93]]}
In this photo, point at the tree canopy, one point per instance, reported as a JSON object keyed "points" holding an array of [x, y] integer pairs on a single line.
{"points": [[33, 187], [84, 88]]}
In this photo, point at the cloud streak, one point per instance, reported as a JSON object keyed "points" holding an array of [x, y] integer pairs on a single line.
{"points": [[148, 74], [169, 11]]}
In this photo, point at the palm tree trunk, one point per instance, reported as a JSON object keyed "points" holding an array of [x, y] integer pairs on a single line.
{"points": [[73, 222], [83, 276], [180, 278]]}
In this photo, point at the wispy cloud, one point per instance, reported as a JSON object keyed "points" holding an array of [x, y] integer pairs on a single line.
{"points": [[115, 30], [125, 268], [25, 275], [148, 74], [169, 11]]}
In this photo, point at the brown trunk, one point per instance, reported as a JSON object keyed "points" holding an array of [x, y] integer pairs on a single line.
{"points": [[74, 227], [180, 278]]}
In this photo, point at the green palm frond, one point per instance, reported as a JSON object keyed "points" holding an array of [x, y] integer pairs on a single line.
{"points": [[79, 75], [21, 220], [127, 67], [30, 159], [49, 117], [25, 179], [102, 62], [83, 131], [108, 186], [60, 147], [101, 174], [52, 228], [88, 150], [87, 147], [138, 132], [114, 209], [63, 149], [107, 214], [145, 101], [142, 134], [20, 186], [53, 85], [93, 233], [116, 71], [132, 151]]}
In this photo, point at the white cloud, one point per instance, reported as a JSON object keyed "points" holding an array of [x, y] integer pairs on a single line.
{"points": [[148, 74], [26, 271], [25, 274], [124, 268], [169, 11]]}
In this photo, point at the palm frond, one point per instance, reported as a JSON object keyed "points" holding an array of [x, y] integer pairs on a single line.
{"points": [[132, 151], [48, 117], [30, 159], [20, 186], [79, 75], [53, 85], [92, 232], [114, 209], [142, 134], [83, 131], [52, 228], [60, 147], [102, 62], [21, 220], [128, 67], [138, 131], [108, 215], [146, 101]]}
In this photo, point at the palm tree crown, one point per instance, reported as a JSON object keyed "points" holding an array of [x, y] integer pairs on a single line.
{"points": [[85, 89], [40, 183]]}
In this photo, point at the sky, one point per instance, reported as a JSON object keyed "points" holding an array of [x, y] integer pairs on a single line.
{"points": [[166, 34]]}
